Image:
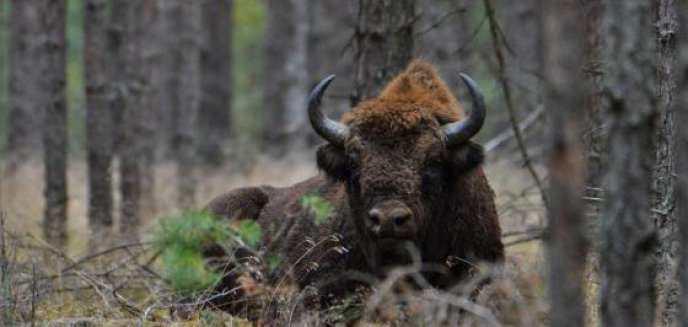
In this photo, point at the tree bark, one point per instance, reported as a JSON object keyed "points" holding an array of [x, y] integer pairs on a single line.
{"points": [[25, 118], [664, 201], [567, 245], [383, 44], [682, 160], [187, 14], [98, 117], [594, 130], [629, 237], [162, 70], [130, 129], [285, 75], [330, 27], [52, 65], [214, 117], [443, 35]]}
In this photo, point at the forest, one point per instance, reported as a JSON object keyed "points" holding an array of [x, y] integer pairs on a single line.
{"points": [[124, 122]]}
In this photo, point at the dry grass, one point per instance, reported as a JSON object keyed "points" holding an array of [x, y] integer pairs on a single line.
{"points": [[122, 287]]}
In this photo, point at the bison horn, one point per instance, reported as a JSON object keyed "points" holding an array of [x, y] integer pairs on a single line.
{"points": [[461, 131], [332, 131]]}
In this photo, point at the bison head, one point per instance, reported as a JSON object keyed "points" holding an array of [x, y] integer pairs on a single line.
{"points": [[400, 154]]}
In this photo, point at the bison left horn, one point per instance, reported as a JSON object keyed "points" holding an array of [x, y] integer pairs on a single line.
{"points": [[461, 131], [332, 131]]}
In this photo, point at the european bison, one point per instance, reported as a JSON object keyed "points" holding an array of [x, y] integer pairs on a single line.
{"points": [[400, 173]]}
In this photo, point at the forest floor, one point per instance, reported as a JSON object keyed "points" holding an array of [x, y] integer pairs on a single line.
{"points": [[121, 287]]}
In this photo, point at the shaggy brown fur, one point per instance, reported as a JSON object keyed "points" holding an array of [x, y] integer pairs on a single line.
{"points": [[395, 152]]}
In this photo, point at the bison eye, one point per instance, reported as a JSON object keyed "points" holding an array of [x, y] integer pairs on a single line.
{"points": [[432, 173]]}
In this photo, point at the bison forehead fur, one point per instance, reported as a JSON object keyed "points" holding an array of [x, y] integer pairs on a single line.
{"points": [[393, 183]]}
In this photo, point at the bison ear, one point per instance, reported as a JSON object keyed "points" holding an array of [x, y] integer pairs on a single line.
{"points": [[465, 158], [334, 162]]}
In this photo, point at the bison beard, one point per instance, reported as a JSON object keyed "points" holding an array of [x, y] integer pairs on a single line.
{"points": [[400, 173]]}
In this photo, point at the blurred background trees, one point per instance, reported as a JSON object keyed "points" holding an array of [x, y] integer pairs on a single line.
{"points": [[135, 109]]}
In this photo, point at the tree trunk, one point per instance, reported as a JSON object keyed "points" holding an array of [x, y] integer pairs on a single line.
{"points": [[330, 27], [25, 117], [443, 35], [130, 129], [594, 131], [162, 71], [285, 75], [682, 159], [627, 255], [98, 117], [567, 245], [52, 65], [664, 201], [383, 43], [214, 117], [187, 14]]}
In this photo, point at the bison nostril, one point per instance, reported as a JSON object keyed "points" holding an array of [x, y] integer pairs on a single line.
{"points": [[400, 219]]}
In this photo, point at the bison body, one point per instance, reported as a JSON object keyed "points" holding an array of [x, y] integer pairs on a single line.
{"points": [[403, 180]]}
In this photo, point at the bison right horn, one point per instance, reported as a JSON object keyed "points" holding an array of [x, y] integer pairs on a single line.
{"points": [[462, 131], [331, 130]]}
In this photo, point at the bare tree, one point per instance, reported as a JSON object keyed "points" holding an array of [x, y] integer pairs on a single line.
{"points": [[383, 44], [594, 130], [682, 160], [330, 31], [129, 146], [285, 74], [629, 237], [444, 34], [52, 85], [98, 117], [214, 117], [664, 200], [160, 56], [187, 17], [567, 245], [25, 75]]}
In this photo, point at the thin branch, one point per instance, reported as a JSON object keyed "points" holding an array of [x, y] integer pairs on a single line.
{"points": [[440, 21], [477, 30], [505, 136], [499, 54]]}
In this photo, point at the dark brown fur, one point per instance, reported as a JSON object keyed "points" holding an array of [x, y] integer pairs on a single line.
{"points": [[394, 152]]}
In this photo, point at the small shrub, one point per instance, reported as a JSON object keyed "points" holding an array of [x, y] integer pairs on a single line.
{"points": [[181, 240], [322, 208], [249, 232]]}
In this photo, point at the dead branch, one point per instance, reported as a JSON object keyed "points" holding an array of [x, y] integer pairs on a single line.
{"points": [[497, 43], [505, 136]]}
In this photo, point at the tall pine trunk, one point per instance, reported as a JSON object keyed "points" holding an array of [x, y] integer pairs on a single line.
{"points": [[285, 75], [664, 201], [25, 117], [629, 238], [52, 65], [130, 129], [594, 131], [383, 43], [682, 159], [330, 24], [187, 17], [98, 117], [567, 245], [214, 117]]}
